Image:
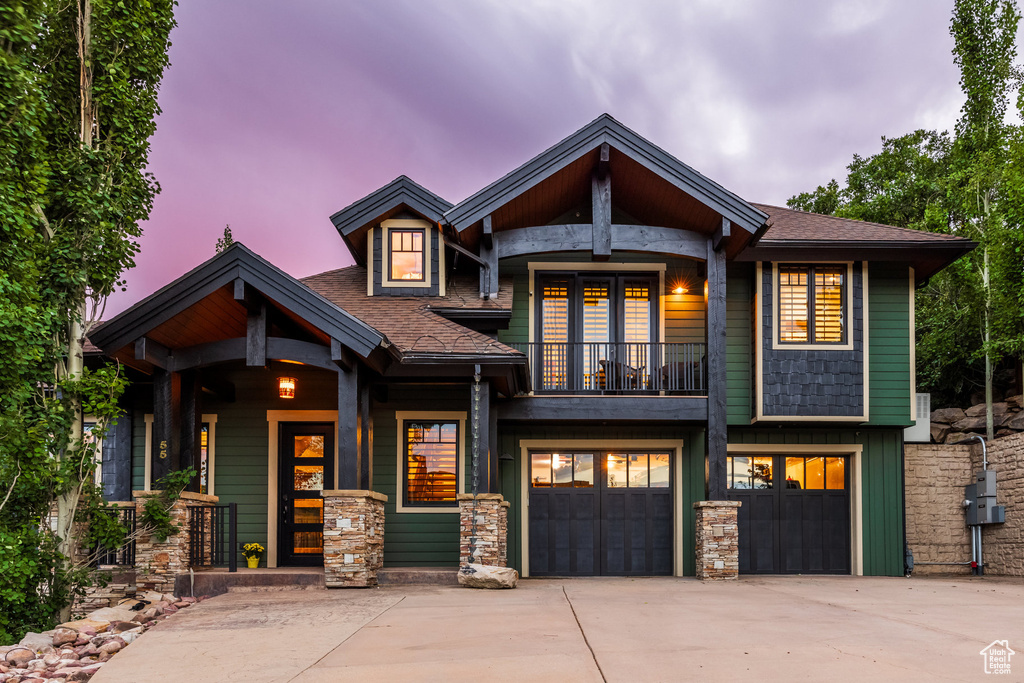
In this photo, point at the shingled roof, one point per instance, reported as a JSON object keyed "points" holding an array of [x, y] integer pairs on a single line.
{"points": [[410, 323], [793, 225]]}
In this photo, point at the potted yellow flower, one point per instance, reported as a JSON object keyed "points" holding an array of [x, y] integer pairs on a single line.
{"points": [[252, 552]]}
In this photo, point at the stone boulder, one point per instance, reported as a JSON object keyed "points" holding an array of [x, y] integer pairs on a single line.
{"points": [[953, 437], [112, 614], [979, 410], [947, 415], [87, 625], [63, 636], [1016, 422], [19, 657], [486, 576], [970, 424], [1015, 401], [939, 432], [37, 642]]}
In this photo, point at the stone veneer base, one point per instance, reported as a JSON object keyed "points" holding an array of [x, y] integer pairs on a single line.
{"points": [[718, 548], [491, 517], [353, 537]]}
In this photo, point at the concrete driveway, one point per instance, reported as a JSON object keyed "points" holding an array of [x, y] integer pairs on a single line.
{"points": [[613, 629]]}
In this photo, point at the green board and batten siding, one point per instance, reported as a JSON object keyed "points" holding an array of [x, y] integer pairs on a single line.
{"points": [[739, 346], [882, 485], [414, 539], [889, 330]]}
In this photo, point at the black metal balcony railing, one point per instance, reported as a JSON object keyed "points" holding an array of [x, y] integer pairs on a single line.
{"points": [[617, 367], [125, 555], [213, 536]]}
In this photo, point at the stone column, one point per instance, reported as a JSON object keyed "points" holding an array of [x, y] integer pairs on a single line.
{"points": [[490, 510], [353, 537], [158, 563], [718, 547]]}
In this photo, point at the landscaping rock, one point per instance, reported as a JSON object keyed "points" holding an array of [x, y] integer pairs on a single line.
{"points": [[1015, 401], [939, 432], [112, 614], [19, 657], [947, 415], [486, 576], [979, 410], [970, 424], [953, 437], [85, 625], [36, 641], [112, 646], [63, 636], [170, 609], [1016, 422]]}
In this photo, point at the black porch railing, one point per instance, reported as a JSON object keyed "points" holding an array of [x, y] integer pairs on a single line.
{"points": [[123, 556], [213, 536], [617, 367]]}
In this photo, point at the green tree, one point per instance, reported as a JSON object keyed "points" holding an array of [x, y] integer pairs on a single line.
{"points": [[984, 34], [78, 82], [226, 240]]}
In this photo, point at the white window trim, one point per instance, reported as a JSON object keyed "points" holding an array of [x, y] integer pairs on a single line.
{"points": [[385, 252], [674, 446], [854, 452], [274, 417], [452, 416], [809, 345]]}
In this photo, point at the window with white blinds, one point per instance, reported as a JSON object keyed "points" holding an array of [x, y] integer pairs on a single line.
{"points": [[812, 302]]}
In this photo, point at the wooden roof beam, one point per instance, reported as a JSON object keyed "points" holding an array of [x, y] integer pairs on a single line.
{"points": [[723, 231], [153, 353], [601, 196]]}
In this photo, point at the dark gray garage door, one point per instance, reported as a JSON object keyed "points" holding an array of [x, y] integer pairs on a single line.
{"points": [[600, 513], [795, 517]]}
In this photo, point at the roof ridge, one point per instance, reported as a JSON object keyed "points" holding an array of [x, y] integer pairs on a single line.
{"points": [[853, 220]]}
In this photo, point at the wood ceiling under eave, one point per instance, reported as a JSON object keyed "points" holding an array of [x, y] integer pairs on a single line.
{"points": [[636, 191]]}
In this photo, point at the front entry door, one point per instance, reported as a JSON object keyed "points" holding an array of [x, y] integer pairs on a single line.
{"points": [[600, 513], [306, 456]]}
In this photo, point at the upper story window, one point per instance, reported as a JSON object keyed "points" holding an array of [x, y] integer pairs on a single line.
{"points": [[812, 304], [406, 254]]}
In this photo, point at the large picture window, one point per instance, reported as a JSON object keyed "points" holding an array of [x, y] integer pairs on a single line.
{"points": [[431, 463], [812, 306]]}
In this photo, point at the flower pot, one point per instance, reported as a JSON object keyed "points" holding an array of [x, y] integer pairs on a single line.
{"points": [[254, 562]]}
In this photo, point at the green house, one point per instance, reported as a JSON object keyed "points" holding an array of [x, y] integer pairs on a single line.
{"points": [[603, 336]]}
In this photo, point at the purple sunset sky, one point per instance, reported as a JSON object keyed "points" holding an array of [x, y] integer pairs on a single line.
{"points": [[277, 114]]}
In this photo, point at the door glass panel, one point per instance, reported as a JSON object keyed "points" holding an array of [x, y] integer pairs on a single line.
{"points": [[308, 542], [540, 469], [835, 473], [561, 468], [583, 470], [555, 335], [308, 511], [637, 470], [659, 471], [795, 473], [309, 446], [815, 473], [596, 333], [309, 478], [761, 472], [636, 331], [739, 472], [204, 459], [616, 471]]}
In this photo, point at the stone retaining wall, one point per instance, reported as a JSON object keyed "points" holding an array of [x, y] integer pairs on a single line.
{"points": [[936, 529], [489, 511], [353, 538], [718, 546], [158, 563]]}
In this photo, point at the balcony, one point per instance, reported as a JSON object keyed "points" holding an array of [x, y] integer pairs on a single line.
{"points": [[617, 368]]}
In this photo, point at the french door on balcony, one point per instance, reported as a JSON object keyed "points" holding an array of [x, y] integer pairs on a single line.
{"points": [[596, 332]]}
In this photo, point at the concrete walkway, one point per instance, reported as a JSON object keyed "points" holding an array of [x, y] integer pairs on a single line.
{"points": [[776, 628]]}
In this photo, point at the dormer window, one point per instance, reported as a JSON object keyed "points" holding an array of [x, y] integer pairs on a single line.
{"points": [[405, 256]]}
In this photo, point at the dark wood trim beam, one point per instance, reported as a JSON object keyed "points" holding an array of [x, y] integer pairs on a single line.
{"points": [[724, 231], [580, 237], [279, 348], [153, 353], [602, 161], [365, 436], [256, 338], [166, 424], [605, 408], [717, 429], [348, 430], [489, 273], [342, 356], [601, 198], [191, 424]]}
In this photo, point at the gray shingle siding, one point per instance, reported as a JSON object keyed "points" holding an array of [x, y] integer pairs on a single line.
{"points": [[813, 383]]}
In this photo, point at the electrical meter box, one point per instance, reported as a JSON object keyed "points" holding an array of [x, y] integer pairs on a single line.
{"points": [[982, 509], [986, 483]]}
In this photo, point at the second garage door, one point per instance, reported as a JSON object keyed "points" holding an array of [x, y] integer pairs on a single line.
{"points": [[600, 513], [795, 517]]}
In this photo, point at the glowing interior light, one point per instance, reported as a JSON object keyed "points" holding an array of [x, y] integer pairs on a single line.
{"points": [[286, 387], [679, 290]]}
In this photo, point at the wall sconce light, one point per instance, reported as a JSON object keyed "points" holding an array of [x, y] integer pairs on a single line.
{"points": [[680, 290], [286, 387], [705, 291]]}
